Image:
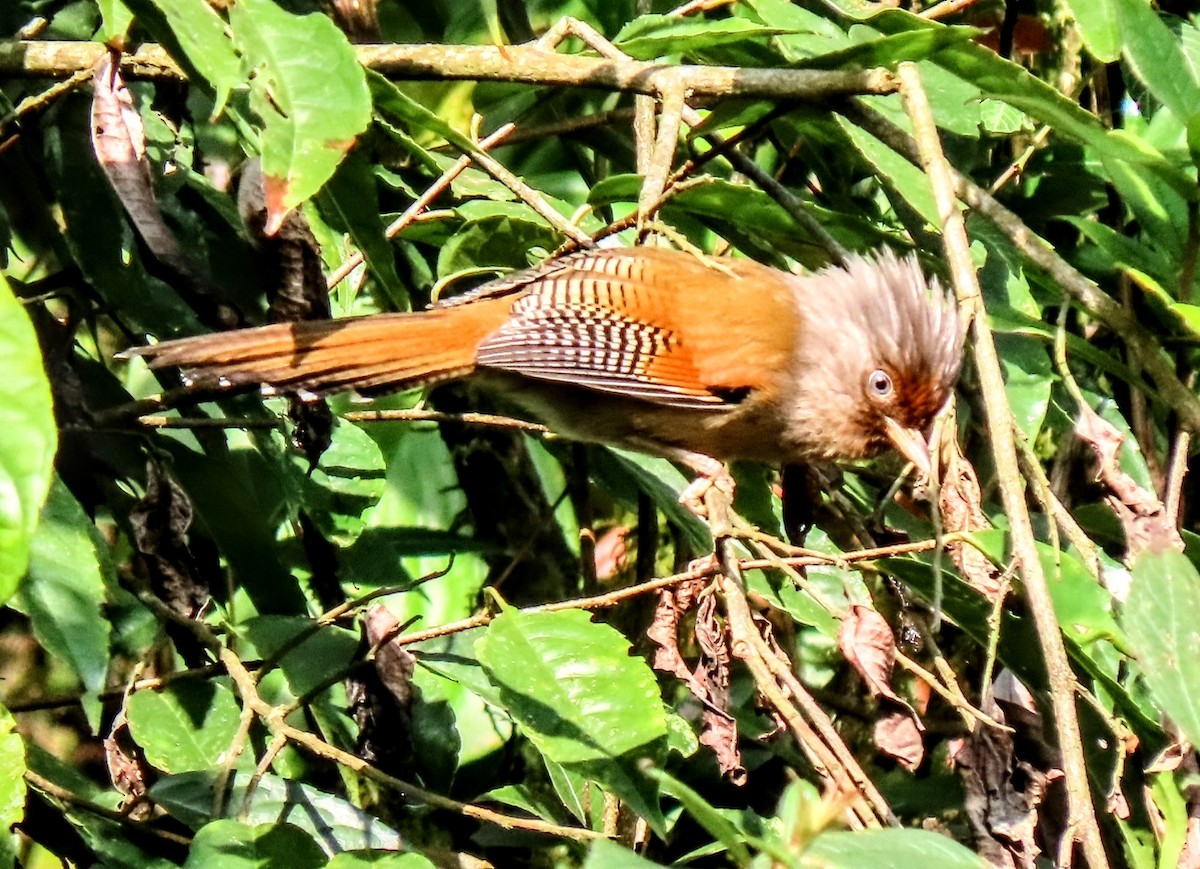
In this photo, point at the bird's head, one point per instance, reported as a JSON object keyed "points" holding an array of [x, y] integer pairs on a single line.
{"points": [[877, 358]]}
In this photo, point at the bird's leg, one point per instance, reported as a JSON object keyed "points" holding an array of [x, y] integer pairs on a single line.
{"points": [[710, 474]]}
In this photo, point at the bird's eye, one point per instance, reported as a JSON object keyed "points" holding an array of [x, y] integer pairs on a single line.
{"points": [[880, 384]]}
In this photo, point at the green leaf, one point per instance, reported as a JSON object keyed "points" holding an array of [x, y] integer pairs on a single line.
{"points": [[902, 176], [329, 819], [499, 240], [12, 785], [1189, 315], [233, 845], [64, 595], [350, 202], [609, 855], [912, 45], [581, 698], [188, 725], [99, 238], [626, 473], [888, 849], [709, 817], [116, 19], [310, 92], [378, 860], [109, 839], [340, 492], [28, 438], [1099, 25], [1160, 621], [395, 106], [202, 38], [1082, 606], [650, 36], [1003, 80], [322, 653], [1154, 55], [1159, 206], [1028, 380]]}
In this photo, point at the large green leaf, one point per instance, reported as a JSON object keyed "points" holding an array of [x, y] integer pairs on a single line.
{"points": [[350, 202], [329, 819], [203, 39], [378, 860], [310, 92], [12, 785], [1003, 80], [308, 665], [186, 726], [1154, 55], [1160, 620], [609, 855], [581, 698], [28, 438], [64, 595], [650, 36], [1100, 27], [233, 845], [888, 849]]}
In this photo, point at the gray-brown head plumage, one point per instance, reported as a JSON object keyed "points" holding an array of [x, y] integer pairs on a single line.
{"points": [[880, 353]]}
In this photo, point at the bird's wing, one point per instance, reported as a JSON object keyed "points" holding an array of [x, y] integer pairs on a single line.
{"points": [[618, 322]]}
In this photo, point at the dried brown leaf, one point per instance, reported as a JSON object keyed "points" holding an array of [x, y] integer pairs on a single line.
{"points": [[393, 662], [709, 681], [119, 141], [1002, 794], [960, 503], [1143, 517], [867, 642], [898, 735], [612, 551]]}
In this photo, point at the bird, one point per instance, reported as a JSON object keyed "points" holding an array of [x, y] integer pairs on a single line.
{"points": [[694, 358]]}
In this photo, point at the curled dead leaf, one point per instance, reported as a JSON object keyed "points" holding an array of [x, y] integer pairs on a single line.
{"points": [[867, 642], [1144, 519]]}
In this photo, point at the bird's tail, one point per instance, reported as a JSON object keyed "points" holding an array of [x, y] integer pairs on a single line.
{"points": [[379, 353]]}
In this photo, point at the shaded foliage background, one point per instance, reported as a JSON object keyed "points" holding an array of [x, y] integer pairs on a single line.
{"points": [[193, 657]]}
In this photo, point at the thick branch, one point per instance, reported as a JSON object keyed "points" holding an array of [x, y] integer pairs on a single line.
{"points": [[523, 64]]}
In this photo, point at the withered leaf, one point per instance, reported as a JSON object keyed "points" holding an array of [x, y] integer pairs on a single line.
{"points": [[867, 642], [898, 735]]}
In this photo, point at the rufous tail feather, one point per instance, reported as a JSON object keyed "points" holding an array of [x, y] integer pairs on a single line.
{"points": [[384, 352]]}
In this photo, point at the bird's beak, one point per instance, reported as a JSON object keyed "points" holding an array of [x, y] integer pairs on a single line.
{"points": [[910, 443]]}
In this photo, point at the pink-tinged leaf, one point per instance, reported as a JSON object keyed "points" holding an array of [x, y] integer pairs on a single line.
{"points": [[898, 735], [611, 552], [275, 194], [119, 141], [867, 642]]}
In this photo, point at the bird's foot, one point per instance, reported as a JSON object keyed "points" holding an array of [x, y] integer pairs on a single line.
{"points": [[711, 475]]}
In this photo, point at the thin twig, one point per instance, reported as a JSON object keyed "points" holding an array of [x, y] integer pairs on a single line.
{"points": [[1177, 471], [946, 8], [1082, 823], [432, 192], [531, 197], [46, 97], [48, 787], [247, 690]]}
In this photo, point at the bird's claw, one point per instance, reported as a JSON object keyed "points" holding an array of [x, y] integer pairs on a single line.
{"points": [[693, 496]]}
